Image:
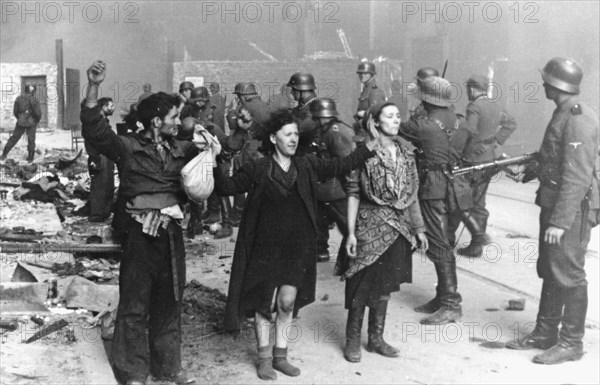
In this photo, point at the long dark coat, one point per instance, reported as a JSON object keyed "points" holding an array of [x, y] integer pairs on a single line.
{"points": [[251, 178]]}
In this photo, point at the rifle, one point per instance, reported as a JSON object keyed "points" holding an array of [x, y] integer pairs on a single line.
{"points": [[489, 169]]}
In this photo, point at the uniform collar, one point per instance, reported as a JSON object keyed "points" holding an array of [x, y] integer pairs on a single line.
{"points": [[567, 103]]}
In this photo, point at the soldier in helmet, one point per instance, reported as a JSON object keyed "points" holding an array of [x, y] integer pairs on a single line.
{"points": [[442, 137], [568, 197], [490, 126], [185, 90], [28, 113], [303, 91], [370, 95], [249, 99], [333, 139], [217, 100], [422, 75]]}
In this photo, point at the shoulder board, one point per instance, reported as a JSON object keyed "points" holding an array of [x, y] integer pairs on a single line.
{"points": [[576, 109]]}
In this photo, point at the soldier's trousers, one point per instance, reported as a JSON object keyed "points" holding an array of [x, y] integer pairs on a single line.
{"points": [[147, 333], [16, 135], [564, 263], [478, 212], [441, 251]]}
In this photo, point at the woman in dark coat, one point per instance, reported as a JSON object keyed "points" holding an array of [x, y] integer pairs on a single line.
{"points": [[275, 251], [384, 223]]}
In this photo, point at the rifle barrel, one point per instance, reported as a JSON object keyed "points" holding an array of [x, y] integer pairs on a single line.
{"points": [[498, 163]]}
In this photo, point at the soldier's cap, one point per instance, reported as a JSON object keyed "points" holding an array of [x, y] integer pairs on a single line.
{"points": [[245, 89], [435, 90], [479, 82]]}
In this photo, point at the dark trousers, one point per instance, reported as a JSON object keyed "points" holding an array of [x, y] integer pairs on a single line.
{"points": [[565, 263], [102, 187], [16, 135], [479, 212], [440, 252], [328, 212], [147, 333]]}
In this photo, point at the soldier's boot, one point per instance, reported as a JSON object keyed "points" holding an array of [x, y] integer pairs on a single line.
{"points": [[226, 229], [431, 306], [478, 237], [30, 156], [213, 208], [376, 326], [353, 331], [570, 341], [545, 333], [450, 308]]}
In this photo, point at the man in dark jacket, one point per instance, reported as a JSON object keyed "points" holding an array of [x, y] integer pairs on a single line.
{"points": [[102, 173], [442, 138], [28, 113], [490, 127], [303, 91], [569, 200], [147, 333]]}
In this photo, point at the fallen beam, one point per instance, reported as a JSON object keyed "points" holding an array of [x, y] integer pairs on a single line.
{"points": [[41, 248]]}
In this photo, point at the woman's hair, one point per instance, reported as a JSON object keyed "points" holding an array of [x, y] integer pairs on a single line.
{"points": [[277, 120], [156, 106], [375, 111]]}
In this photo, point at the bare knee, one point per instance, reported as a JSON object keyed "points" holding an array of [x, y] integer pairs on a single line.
{"points": [[285, 304]]}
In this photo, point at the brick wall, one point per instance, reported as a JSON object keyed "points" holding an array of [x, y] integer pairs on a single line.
{"points": [[335, 78], [10, 89]]}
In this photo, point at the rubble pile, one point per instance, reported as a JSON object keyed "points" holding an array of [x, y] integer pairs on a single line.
{"points": [[204, 305]]}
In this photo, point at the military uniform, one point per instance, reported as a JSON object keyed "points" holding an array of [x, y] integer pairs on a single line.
{"points": [[490, 127], [307, 127], [442, 138], [333, 140], [370, 95], [568, 154], [569, 200]]}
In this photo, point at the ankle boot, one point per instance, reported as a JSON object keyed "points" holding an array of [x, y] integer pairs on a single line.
{"points": [[353, 331], [570, 340], [226, 229], [545, 333], [30, 156], [281, 363], [212, 215], [450, 309], [431, 306], [376, 326], [265, 364]]}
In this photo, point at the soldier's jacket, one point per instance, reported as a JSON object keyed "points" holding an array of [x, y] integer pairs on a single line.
{"points": [[370, 95], [306, 128], [258, 108], [490, 126], [442, 138], [332, 141], [568, 155], [200, 114], [218, 112], [27, 110]]}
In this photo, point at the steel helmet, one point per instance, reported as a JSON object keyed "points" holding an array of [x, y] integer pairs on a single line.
{"points": [[186, 86], [302, 81], [564, 74], [426, 72], [199, 93], [435, 90], [245, 89], [366, 67], [323, 108]]}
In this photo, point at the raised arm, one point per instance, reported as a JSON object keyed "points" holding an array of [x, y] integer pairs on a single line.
{"points": [[94, 127]]}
